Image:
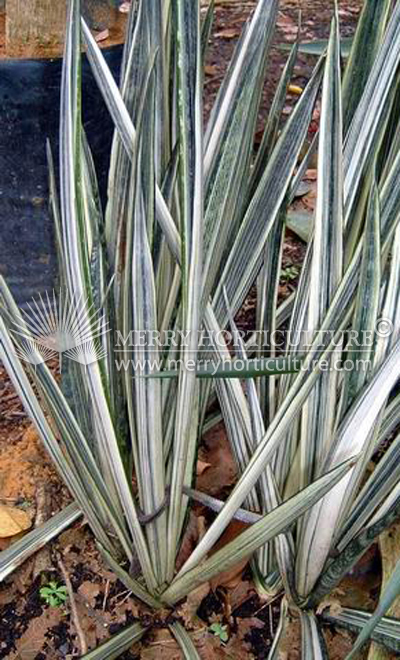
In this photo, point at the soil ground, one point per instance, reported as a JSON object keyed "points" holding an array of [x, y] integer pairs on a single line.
{"points": [[31, 630]]}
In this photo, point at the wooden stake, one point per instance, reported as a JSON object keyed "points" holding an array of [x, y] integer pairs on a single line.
{"points": [[34, 25]]}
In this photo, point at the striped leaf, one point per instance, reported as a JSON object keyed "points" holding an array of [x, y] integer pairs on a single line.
{"points": [[117, 644], [184, 641], [140, 281], [190, 182], [318, 415], [312, 641], [30, 543], [386, 632], [368, 36], [351, 438]]}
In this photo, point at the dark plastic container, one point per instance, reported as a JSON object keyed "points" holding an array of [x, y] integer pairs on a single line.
{"points": [[29, 114]]}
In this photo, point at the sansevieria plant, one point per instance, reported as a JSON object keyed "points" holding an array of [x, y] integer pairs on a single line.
{"points": [[195, 218]]}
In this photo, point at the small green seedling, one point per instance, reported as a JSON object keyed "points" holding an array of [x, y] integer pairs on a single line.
{"points": [[289, 273], [54, 595], [220, 631]]}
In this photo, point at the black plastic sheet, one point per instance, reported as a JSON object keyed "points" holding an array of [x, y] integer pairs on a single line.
{"points": [[29, 114]]}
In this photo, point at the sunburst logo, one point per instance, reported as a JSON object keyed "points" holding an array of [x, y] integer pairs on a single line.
{"points": [[67, 326]]}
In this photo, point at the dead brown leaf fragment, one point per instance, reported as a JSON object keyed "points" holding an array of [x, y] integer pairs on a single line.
{"points": [[188, 610], [231, 577], [102, 36], [89, 591], [13, 521], [162, 646], [34, 637], [222, 472], [201, 467], [210, 70], [194, 531], [240, 593]]}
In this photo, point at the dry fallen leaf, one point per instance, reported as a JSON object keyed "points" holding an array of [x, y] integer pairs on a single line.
{"points": [[217, 453], [311, 175], [201, 467], [240, 593], [102, 36], [288, 26], [13, 521], [94, 623], [22, 578], [71, 538], [89, 591], [231, 577], [189, 608], [34, 637], [41, 563], [162, 646], [340, 643], [247, 624], [210, 69], [210, 648], [189, 541]]}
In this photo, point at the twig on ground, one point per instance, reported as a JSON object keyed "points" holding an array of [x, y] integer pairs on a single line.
{"points": [[74, 611], [106, 592]]}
